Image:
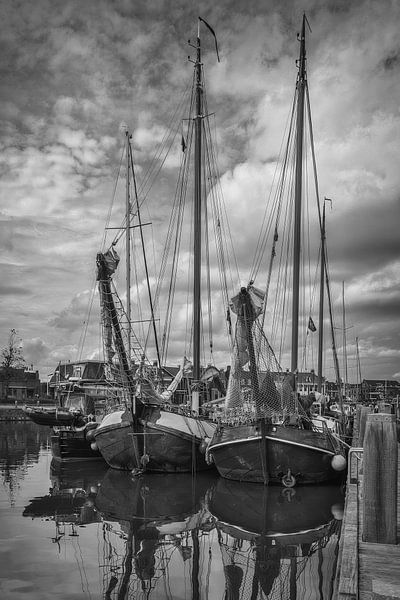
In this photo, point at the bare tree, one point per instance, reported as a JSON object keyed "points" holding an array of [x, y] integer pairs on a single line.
{"points": [[12, 358]]}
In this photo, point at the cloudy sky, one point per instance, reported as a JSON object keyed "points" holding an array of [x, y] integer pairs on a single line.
{"points": [[73, 71]]}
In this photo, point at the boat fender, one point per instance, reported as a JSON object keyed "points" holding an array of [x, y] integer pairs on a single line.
{"points": [[90, 435], [338, 462], [94, 446], [208, 456], [337, 511], [203, 445]]}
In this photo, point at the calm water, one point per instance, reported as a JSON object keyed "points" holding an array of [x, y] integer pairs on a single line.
{"points": [[83, 531]]}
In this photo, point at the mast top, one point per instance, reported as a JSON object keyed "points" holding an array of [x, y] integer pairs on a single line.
{"points": [[301, 63]]}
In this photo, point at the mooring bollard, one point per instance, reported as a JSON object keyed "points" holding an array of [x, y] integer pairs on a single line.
{"points": [[380, 479]]}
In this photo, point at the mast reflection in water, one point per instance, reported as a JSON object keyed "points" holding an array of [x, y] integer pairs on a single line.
{"points": [[91, 532]]}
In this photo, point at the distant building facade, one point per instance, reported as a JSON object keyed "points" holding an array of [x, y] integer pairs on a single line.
{"points": [[374, 390], [19, 385]]}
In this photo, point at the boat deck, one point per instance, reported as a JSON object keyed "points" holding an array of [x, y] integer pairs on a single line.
{"points": [[366, 571]]}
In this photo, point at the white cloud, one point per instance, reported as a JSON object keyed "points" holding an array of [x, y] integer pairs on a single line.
{"points": [[69, 88]]}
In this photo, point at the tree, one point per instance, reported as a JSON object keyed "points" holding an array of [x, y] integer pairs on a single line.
{"points": [[12, 358]]}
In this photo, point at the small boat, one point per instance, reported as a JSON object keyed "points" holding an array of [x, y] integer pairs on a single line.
{"points": [[267, 434], [52, 415], [82, 397], [155, 431]]}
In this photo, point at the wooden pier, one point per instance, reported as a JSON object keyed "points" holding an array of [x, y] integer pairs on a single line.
{"points": [[369, 553]]}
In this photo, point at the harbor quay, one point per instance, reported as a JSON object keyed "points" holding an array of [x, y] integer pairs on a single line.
{"points": [[369, 550]]}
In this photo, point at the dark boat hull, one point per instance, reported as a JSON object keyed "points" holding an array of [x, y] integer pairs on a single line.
{"points": [[72, 444], [242, 453], [163, 442], [50, 416]]}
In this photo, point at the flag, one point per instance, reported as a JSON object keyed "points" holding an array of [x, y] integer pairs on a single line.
{"points": [[311, 325], [183, 144], [213, 33]]}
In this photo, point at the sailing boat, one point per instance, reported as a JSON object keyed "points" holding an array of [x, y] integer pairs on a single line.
{"points": [[267, 434], [151, 433]]}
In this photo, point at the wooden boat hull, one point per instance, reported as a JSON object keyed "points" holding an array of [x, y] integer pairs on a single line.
{"points": [[72, 444], [161, 442], [242, 453]]}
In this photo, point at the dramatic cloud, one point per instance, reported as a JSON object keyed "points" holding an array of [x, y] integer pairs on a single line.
{"points": [[73, 73]]}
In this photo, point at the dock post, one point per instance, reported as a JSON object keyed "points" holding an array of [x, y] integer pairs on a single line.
{"points": [[365, 411], [380, 479]]}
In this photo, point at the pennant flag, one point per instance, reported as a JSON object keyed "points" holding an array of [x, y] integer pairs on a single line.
{"points": [[311, 325], [213, 33]]}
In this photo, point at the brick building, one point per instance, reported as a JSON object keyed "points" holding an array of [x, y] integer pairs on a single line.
{"points": [[19, 385]]}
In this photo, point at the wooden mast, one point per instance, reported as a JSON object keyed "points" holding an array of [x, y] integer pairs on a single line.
{"points": [[197, 225], [128, 247], [301, 84], [344, 345], [321, 301], [358, 372]]}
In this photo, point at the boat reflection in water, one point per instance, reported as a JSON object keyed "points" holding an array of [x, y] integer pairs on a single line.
{"points": [[277, 541], [70, 500], [185, 536], [163, 523]]}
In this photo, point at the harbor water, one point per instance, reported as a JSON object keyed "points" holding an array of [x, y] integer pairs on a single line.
{"points": [[83, 531]]}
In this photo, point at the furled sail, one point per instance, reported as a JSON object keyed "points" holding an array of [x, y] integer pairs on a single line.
{"points": [[257, 386], [107, 264]]}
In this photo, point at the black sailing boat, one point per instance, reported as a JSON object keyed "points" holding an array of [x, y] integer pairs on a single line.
{"points": [[151, 433], [267, 434]]}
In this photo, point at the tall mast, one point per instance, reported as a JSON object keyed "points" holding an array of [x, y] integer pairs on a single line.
{"points": [[321, 302], [358, 371], [301, 84], [344, 344], [197, 223], [128, 246]]}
